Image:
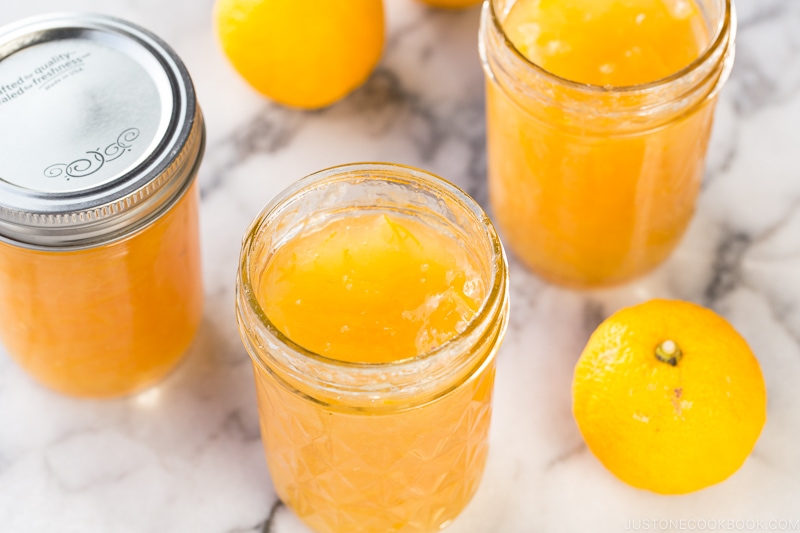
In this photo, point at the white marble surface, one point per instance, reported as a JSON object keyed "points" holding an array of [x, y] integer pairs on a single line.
{"points": [[186, 456]]}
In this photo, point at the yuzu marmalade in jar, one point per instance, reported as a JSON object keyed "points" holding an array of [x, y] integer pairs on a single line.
{"points": [[372, 299], [598, 119], [100, 285]]}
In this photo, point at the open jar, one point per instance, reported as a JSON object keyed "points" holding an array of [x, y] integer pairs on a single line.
{"points": [[100, 284], [593, 185], [364, 438]]}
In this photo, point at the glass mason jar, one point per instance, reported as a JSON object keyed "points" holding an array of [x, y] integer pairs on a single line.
{"points": [[100, 283], [595, 185], [374, 447]]}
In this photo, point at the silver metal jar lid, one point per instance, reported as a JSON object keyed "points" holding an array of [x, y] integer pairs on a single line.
{"points": [[100, 130]]}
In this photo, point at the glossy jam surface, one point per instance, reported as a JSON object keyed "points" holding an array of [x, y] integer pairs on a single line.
{"points": [[374, 288], [371, 289], [608, 42], [109, 320], [584, 205]]}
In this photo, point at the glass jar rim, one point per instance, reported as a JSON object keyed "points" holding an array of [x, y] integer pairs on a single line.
{"points": [[725, 32], [493, 302]]}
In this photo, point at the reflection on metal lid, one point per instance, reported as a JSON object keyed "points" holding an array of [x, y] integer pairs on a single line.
{"points": [[99, 129]]}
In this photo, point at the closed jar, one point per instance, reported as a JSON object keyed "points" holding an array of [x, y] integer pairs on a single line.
{"points": [[360, 435], [593, 184], [100, 283]]}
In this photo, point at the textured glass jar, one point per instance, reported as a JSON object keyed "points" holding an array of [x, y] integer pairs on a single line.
{"points": [[594, 185], [100, 285], [374, 447]]}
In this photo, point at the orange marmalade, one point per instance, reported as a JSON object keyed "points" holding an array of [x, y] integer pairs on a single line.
{"points": [[598, 118], [371, 288], [102, 136], [110, 320], [373, 324]]}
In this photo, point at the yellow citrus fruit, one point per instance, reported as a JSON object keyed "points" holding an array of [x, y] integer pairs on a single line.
{"points": [[302, 53], [452, 4], [669, 396]]}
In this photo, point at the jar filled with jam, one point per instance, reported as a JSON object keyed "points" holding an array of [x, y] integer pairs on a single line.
{"points": [[101, 134], [372, 299], [598, 119]]}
